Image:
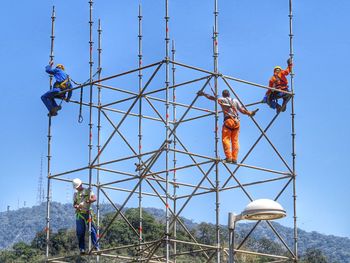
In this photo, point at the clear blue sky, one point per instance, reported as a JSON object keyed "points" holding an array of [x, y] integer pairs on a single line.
{"points": [[253, 39]]}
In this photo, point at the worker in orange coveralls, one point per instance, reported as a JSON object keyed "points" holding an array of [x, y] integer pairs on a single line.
{"points": [[278, 81], [230, 129]]}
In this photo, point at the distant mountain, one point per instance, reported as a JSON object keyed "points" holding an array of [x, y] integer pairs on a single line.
{"points": [[23, 224]]}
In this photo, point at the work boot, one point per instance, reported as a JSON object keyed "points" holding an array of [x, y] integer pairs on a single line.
{"points": [[284, 105], [228, 160], [278, 108], [54, 110], [52, 113], [234, 161], [82, 252], [59, 107]]}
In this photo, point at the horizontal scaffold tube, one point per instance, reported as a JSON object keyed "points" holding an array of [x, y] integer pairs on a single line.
{"points": [[236, 186]]}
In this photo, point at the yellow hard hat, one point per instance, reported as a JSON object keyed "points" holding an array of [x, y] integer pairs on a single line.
{"points": [[277, 67], [60, 66]]}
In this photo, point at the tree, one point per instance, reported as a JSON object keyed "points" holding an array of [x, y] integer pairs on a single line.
{"points": [[24, 252], [206, 233], [314, 255]]}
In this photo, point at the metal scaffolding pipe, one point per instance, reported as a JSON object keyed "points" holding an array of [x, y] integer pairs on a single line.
{"points": [[159, 181], [128, 191], [237, 186], [167, 145], [256, 85], [91, 64], [216, 130], [157, 90], [140, 56], [260, 254], [49, 138], [291, 55], [99, 69], [174, 103]]}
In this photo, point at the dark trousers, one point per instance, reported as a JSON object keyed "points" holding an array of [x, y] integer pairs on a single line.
{"points": [[49, 98], [81, 226], [272, 99]]}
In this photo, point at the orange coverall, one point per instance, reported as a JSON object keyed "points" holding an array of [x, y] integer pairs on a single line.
{"points": [[230, 129], [280, 82]]}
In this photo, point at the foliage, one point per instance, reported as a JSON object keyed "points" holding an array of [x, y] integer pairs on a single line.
{"points": [[21, 232], [313, 255]]}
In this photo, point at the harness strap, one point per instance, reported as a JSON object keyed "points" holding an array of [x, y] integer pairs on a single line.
{"points": [[92, 216], [231, 129], [278, 83], [230, 117]]}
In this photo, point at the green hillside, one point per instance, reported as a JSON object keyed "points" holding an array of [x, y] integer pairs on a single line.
{"points": [[22, 232]]}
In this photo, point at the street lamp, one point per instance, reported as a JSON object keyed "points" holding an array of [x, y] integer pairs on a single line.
{"points": [[261, 209]]}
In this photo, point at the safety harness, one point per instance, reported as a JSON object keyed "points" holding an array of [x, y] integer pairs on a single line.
{"points": [[280, 83], [83, 197], [229, 115], [277, 84], [63, 85]]}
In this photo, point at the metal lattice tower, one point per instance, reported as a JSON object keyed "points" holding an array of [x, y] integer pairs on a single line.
{"points": [[41, 193], [154, 167]]}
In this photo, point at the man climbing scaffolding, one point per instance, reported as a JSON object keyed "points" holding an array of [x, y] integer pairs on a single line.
{"points": [[278, 81], [81, 201], [62, 83], [231, 126]]}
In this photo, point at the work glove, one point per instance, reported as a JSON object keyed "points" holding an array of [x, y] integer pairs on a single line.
{"points": [[289, 61], [252, 113], [51, 63], [200, 93]]}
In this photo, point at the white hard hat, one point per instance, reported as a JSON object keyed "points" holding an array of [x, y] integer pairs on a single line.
{"points": [[76, 183]]}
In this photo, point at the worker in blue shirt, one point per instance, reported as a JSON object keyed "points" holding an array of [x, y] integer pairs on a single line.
{"points": [[62, 83]]}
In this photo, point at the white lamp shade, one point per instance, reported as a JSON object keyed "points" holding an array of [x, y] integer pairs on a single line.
{"points": [[263, 209]]}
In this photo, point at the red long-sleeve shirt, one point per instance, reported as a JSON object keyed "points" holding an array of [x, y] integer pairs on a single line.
{"points": [[280, 81]]}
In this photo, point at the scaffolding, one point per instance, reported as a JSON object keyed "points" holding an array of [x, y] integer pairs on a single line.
{"points": [[158, 172]]}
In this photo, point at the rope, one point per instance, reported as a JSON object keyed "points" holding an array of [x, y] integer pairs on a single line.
{"points": [[80, 118]]}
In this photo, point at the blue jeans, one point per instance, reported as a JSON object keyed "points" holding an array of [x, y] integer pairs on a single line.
{"points": [[49, 98], [81, 225], [272, 101]]}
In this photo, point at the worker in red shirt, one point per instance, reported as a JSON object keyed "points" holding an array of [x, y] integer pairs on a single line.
{"points": [[278, 81]]}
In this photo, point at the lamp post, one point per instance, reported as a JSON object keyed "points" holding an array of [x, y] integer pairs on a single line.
{"points": [[260, 209]]}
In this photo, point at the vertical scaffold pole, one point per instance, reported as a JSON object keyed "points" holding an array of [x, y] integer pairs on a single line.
{"points": [[91, 63], [217, 181], [140, 132], [49, 137], [173, 51], [99, 50], [167, 49], [291, 55]]}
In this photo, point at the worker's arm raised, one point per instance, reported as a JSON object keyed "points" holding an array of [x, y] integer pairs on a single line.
{"points": [[50, 70], [201, 93], [289, 68], [247, 112]]}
